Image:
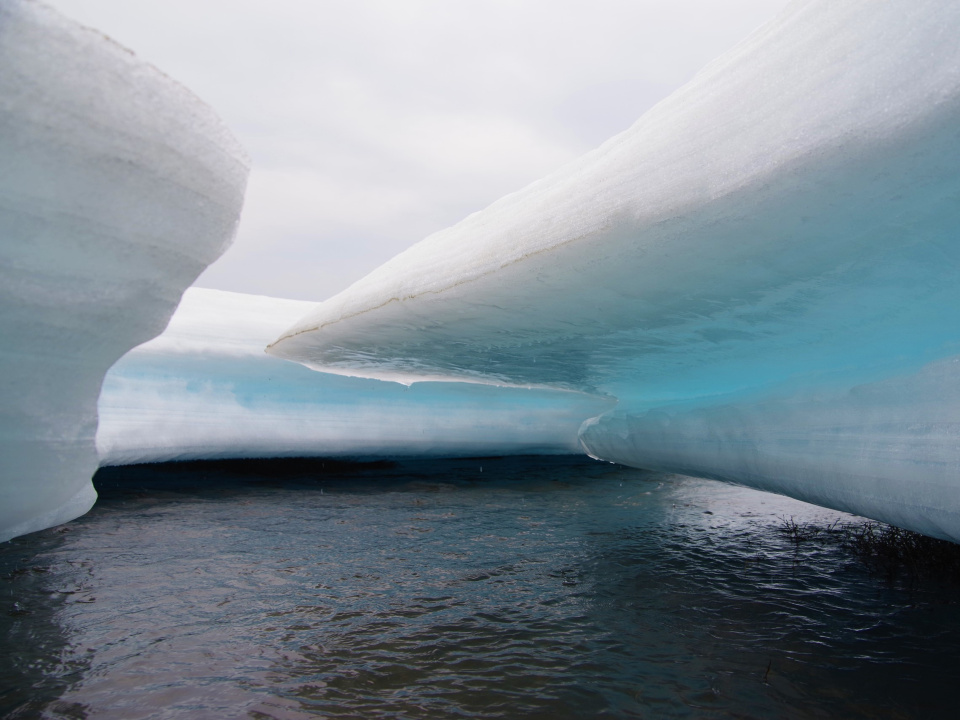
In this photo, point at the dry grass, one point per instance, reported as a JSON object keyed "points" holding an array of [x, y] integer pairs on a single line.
{"points": [[897, 554]]}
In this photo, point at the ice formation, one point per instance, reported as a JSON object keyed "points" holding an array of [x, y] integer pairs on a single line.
{"points": [[764, 270], [205, 389], [119, 187]]}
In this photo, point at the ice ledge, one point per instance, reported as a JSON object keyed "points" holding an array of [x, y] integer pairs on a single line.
{"points": [[119, 187], [763, 270]]}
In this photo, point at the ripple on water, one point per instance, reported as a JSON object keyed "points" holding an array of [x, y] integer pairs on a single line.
{"points": [[552, 588]]}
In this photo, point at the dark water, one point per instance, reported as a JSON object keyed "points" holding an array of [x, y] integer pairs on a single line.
{"points": [[539, 588]]}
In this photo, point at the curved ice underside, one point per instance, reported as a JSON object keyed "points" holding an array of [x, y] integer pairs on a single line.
{"points": [[764, 270], [118, 188], [205, 389]]}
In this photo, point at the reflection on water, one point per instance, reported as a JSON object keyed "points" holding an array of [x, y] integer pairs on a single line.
{"points": [[536, 587]]}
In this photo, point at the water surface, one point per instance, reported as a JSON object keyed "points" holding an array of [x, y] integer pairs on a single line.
{"points": [[489, 588]]}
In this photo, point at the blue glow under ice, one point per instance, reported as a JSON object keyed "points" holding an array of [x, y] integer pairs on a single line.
{"points": [[205, 389]]}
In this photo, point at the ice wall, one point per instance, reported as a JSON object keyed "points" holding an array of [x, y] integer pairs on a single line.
{"points": [[889, 450], [762, 245], [118, 188], [205, 389]]}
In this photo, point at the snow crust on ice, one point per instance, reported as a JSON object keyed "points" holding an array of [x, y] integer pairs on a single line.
{"points": [[764, 270], [205, 389], [119, 187]]}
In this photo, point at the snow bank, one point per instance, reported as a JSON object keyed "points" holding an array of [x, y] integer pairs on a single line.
{"points": [[119, 188]]}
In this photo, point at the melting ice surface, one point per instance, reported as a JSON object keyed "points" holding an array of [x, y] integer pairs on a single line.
{"points": [[205, 389], [118, 188], [764, 270]]}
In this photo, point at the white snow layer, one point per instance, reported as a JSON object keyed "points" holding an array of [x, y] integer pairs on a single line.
{"points": [[205, 389], [118, 188], [764, 270]]}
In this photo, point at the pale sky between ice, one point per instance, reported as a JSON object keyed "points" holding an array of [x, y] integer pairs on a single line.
{"points": [[373, 123]]}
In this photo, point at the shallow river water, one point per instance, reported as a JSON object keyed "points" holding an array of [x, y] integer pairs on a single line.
{"points": [[488, 588]]}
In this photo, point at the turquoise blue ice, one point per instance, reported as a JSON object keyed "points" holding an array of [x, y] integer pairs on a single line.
{"points": [[205, 389]]}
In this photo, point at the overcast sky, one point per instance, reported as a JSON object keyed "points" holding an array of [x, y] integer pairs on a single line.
{"points": [[372, 123]]}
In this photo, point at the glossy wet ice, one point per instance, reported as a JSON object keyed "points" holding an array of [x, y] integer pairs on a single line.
{"points": [[534, 588]]}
